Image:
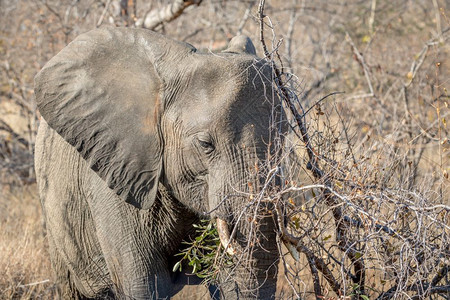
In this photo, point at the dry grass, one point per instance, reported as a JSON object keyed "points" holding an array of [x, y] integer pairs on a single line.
{"points": [[24, 262]]}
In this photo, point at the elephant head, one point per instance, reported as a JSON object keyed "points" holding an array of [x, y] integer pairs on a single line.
{"points": [[145, 111]]}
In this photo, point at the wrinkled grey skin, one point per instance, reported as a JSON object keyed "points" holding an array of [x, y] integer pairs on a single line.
{"points": [[140, 136]]}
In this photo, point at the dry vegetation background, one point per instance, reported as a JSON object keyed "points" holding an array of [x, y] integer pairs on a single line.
{"points": [[383, 142]]}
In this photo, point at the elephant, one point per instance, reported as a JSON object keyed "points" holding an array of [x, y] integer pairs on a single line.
{"points": [[141, 136]]}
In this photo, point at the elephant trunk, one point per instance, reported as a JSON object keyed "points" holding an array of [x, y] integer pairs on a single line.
{"points": [[246, 226]]}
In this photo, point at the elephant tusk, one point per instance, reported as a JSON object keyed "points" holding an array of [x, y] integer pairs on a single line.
{"points": [[224, 236]]}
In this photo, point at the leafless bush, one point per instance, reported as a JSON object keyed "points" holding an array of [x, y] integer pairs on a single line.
{"points": [[373, 223]]}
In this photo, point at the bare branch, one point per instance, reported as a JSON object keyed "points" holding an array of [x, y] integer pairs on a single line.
{"points": [[361, 61], [102, 16], [166, 14]]}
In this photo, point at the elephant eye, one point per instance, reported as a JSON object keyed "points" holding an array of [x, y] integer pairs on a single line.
{"points": [[206, 144]]}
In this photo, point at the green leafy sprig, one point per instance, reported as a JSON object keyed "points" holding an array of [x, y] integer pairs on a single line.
{"points": [[203, 252]]}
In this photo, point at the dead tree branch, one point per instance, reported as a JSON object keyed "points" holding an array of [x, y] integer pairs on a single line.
{"points": [[166, 14]]}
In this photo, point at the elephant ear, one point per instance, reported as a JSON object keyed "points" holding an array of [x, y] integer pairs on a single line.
{"points": [[241, 44], [103, 94]]}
